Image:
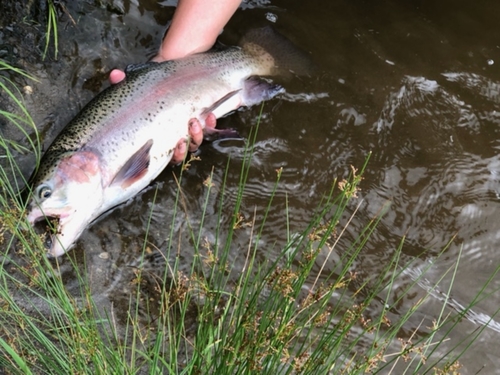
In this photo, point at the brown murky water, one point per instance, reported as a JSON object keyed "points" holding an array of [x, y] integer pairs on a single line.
{"points": [[417, 83]]}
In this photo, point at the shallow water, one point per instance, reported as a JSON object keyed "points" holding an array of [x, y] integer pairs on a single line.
{"points": [[416, 83]]}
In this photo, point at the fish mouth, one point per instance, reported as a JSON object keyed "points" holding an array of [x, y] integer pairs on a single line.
{"points": [[52, 228], [48, 227], [59, 228]]}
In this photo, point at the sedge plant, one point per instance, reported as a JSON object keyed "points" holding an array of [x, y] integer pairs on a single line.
{"points": [[304, 311]]}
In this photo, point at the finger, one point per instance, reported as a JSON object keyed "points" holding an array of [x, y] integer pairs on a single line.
{"points": [[116, 76], [180, 151], [195, 134], [211, 120]]}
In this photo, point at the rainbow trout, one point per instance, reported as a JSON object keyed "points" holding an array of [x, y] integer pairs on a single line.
{"points": [[125, 136]]}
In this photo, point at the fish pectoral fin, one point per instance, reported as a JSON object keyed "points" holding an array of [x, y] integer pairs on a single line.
{"points": [[219, 102], [135, 167]]}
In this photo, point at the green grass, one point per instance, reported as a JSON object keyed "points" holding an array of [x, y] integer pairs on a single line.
{"points": [[292, 314], [51, 30], [21, 119]]}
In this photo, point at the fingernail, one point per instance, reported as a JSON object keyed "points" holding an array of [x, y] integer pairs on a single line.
{"points": [[193, 125]]}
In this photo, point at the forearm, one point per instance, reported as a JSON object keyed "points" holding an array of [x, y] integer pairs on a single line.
{"points": [[195, 27]]}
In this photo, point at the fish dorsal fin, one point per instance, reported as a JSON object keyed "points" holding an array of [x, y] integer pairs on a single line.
{"points": [[135, 167], [218, 103]]}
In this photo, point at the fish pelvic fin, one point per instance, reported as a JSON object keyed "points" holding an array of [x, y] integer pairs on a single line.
{"points": [[288, 58], [219, 102], [135, 168]]}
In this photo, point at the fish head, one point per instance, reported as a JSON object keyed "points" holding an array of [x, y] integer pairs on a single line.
{"points": [[67, 189]]}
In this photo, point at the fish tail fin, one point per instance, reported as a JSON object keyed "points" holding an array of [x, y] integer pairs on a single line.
{"points": [[288, 58]]}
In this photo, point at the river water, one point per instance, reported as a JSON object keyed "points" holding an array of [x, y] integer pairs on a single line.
{"points": [[416, 83]]}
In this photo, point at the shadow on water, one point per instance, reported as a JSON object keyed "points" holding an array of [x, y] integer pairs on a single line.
{"points": [[416, 83]]}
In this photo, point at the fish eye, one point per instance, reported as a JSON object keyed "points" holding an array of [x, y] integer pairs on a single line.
{"points": [[44, 192]]}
